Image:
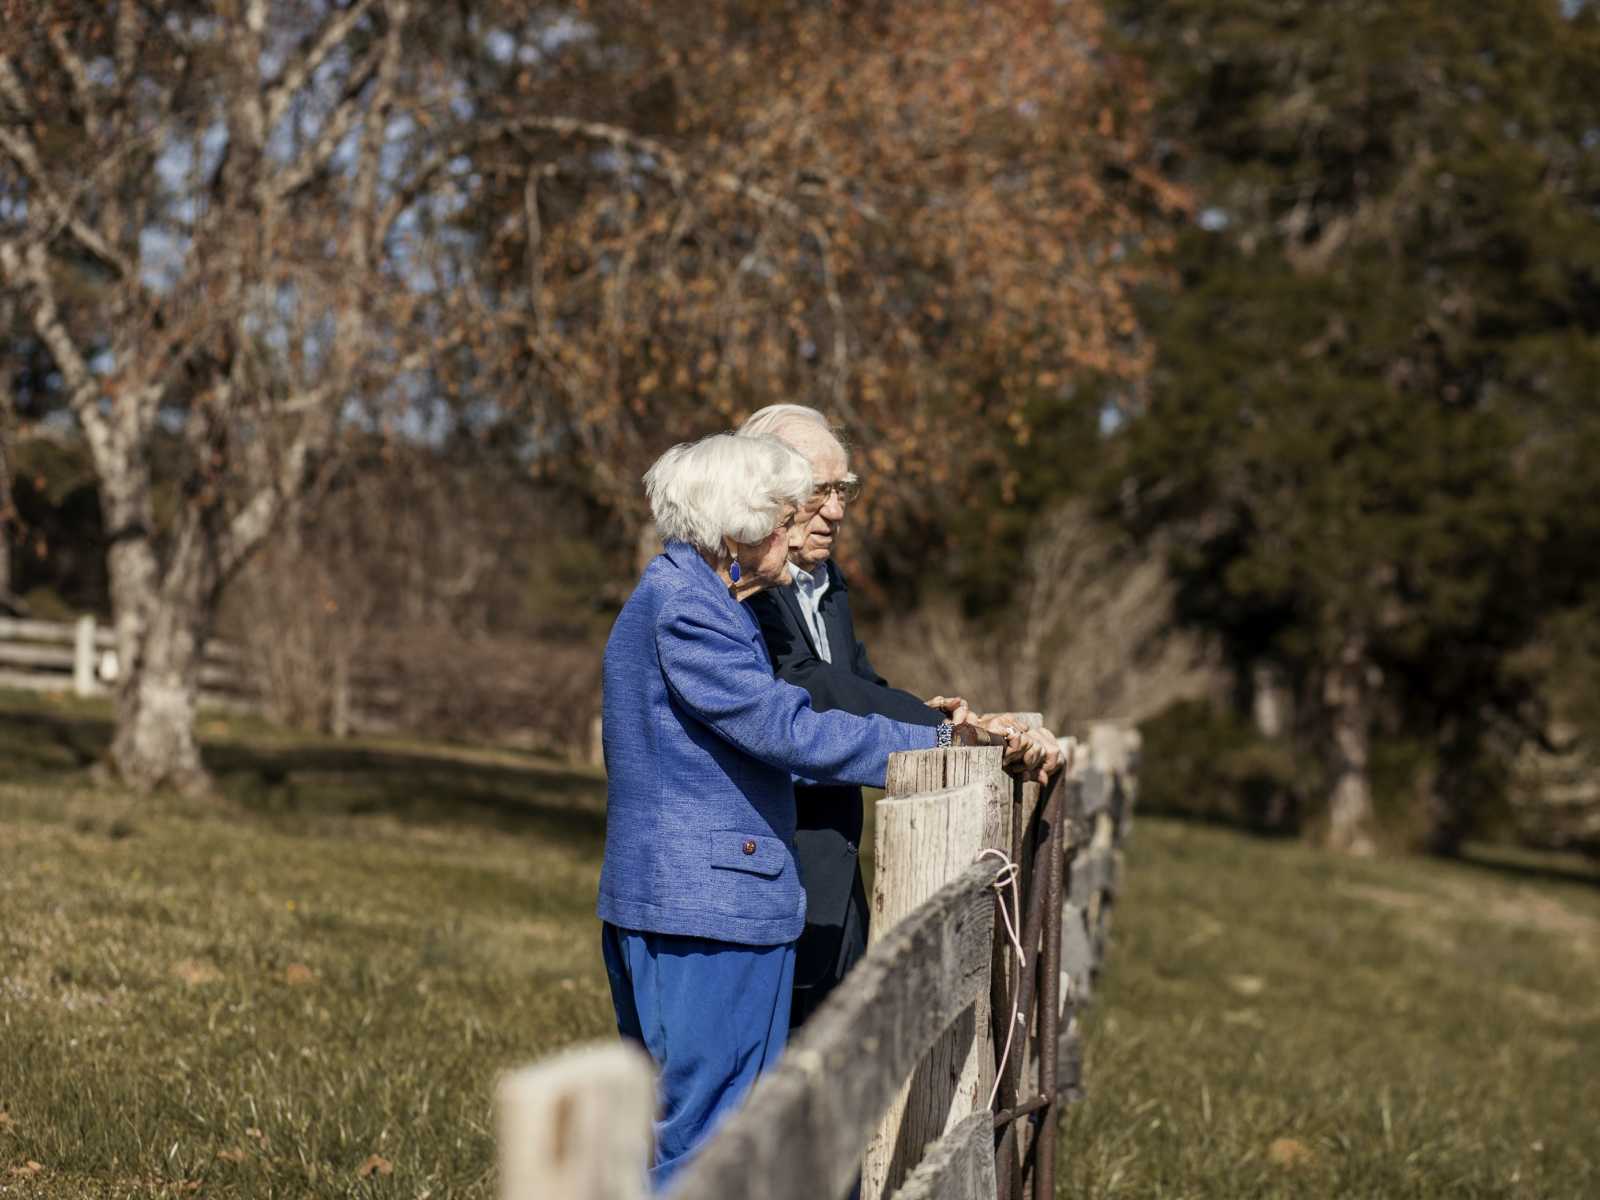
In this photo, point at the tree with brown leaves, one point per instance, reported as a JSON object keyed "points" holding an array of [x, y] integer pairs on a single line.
{"points": [[192, 208]]}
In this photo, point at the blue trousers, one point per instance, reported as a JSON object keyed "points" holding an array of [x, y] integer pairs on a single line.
{"points": [[712, 1015]]}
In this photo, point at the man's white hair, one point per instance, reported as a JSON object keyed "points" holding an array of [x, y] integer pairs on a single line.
{"points": [[776, 419], [725, 486]]}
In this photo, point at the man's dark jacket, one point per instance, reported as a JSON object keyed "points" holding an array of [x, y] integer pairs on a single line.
{"points": [[828, 833]]}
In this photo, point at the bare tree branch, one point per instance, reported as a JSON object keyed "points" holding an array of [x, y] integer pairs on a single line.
{"points": [[246, 42], [21, 151], [301, 68], [653, 157], [336, 126], [126, 47], [364, 231], [11, 88], [28, 267], [256, 518], [75, 71]]}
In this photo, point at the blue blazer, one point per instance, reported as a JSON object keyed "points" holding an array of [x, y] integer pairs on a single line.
{"points": [[702, 744]]}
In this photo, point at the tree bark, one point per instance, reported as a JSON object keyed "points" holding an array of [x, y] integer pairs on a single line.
{"points": [[155, 744], [1272, 805], [7, 518], [162, 613], [1348, 695]]}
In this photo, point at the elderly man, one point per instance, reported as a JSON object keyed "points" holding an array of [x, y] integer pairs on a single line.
{"points": [[811, 637]]}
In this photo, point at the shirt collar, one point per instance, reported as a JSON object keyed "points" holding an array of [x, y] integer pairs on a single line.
{"points": [[812, 583]]}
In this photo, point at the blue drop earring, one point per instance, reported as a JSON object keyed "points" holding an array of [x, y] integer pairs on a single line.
{"points": [[733, 570]]}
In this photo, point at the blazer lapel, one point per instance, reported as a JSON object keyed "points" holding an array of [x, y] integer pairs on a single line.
{"points": [[841, 638], [790, 603]]}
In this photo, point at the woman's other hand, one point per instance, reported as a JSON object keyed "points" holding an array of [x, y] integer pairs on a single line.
{"points": [[1032, 754]]}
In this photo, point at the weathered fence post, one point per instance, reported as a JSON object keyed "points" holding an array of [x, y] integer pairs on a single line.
{"points": [[915, 1006], [83, 658], [801, 1132], [578, 1126], [923, 842]]}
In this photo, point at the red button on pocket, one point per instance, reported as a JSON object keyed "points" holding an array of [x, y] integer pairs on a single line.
{"points": [[750, 847]]}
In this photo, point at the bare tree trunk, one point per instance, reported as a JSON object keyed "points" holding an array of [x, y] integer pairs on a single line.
{"points": [[161, 613], [1269, 699], [155, 744], [5, 558], [7, 516], [1272, 711], [1348, 694]]}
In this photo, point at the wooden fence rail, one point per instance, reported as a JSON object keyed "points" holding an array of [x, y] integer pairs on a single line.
{"points": [[891, 1079], [80, 657]]}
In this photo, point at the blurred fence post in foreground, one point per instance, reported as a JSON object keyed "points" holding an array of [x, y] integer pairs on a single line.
{"points": [[578, 1126]]}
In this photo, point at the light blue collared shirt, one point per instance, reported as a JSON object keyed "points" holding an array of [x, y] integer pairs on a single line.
{"points": [[810, 587]]}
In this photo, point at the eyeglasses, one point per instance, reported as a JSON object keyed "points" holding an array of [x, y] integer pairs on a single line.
{"points": [[847, 489]]}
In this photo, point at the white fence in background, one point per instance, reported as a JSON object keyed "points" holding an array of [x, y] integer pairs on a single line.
{"points": [[80, 657]]}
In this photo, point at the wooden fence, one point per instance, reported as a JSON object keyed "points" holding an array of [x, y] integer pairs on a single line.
{"points": [[894, 1077], [80, 657]]}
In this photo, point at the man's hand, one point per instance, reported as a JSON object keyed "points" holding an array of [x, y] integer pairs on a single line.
{"points": [[955, 709]]}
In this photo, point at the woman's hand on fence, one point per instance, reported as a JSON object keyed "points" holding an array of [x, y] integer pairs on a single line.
{"points": [[1034, 754], [1051, 758]]}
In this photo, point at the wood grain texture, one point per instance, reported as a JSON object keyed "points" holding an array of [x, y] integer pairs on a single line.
{"points": [[959, 1166], [924, 839], [800, 1134], [577, 1126]]}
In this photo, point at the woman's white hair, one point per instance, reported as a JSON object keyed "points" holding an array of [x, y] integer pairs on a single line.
{"points": [[724, 486]]}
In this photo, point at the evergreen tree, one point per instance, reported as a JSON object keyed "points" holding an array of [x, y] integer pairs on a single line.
{"points": [[1372, 410]]}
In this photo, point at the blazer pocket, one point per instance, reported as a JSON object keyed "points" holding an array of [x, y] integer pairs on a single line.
{"points": [[752, 853]]}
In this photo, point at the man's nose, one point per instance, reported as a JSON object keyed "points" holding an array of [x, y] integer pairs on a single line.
{"points": [[833, 507]]}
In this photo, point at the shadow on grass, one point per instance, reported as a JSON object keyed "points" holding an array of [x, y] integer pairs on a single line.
{"points": [[1252, 826], [39, 743], [410, 785], [290, 782], [1532, 865]]}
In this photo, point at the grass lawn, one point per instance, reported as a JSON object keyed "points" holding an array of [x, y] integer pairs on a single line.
{"points": [[307, 988], [1277, 1022]]}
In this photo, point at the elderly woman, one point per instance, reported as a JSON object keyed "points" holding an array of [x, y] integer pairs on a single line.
{"points": [[700, 896]]}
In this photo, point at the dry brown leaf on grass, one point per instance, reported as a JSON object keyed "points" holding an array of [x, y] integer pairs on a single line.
{"points": [[233, 1156], [299, 975], [194, 972], [28, 1168], [376, 1164], [5, 1119], [1290, 1152]]}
